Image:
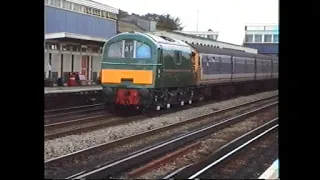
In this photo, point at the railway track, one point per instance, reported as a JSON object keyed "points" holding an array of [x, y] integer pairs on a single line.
{"points": [[58, 115], [99, 121], [60, 167], [216, 165], [117, 167]]}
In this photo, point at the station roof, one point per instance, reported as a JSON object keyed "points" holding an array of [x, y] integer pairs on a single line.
{"points": [[72, 36]]}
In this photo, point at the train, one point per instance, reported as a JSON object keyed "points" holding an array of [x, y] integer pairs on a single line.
{"points": [[145, 71]]}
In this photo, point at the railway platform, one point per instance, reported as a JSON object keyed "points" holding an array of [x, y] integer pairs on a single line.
{"points": [[272, 172], [68, 89]]}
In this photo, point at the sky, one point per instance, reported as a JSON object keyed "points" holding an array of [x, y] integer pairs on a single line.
{"points": [[226, 16]]}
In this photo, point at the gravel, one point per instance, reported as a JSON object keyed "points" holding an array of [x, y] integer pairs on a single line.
{"points": [[210, 144], [65, 145]]}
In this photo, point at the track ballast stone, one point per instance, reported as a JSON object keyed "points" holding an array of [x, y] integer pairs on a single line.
{"points": [[68, 144]]}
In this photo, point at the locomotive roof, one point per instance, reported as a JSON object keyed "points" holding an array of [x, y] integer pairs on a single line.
{"points": [[167, 40], [157, 39]]}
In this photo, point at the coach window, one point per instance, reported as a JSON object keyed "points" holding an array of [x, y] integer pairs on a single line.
{"points": [[260, 67], [246, 66], [225, 65], [143, 50], [240, 66], [115, 50], [215, 65], [250, 66]]}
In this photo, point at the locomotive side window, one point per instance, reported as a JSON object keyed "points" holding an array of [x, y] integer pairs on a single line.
{"points": [[177, 57], [115, 50], [143, 50]]}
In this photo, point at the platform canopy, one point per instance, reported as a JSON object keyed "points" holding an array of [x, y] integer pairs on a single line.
{"points": [[83, 39]]}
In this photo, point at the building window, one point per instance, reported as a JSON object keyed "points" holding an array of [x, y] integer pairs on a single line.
{"points": [[267, 38], [112, 16], [55, 3], [46, 1], [66, 5], [88, 10], [258, 38], [249, 38], [268, 28], [96, 12], [77, 7], [256, 28], [104, 14], [275, 38]]}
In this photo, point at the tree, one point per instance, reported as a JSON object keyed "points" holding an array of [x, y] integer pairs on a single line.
{"points": [[123, 13], [165, 22]]}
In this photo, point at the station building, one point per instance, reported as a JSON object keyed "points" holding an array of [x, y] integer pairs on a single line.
{"points": [[264, 38], [75, 31]]}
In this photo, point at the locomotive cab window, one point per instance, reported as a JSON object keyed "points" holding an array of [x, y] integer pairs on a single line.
{"points": [[143, 50], [115, 50], [129, 49]]}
